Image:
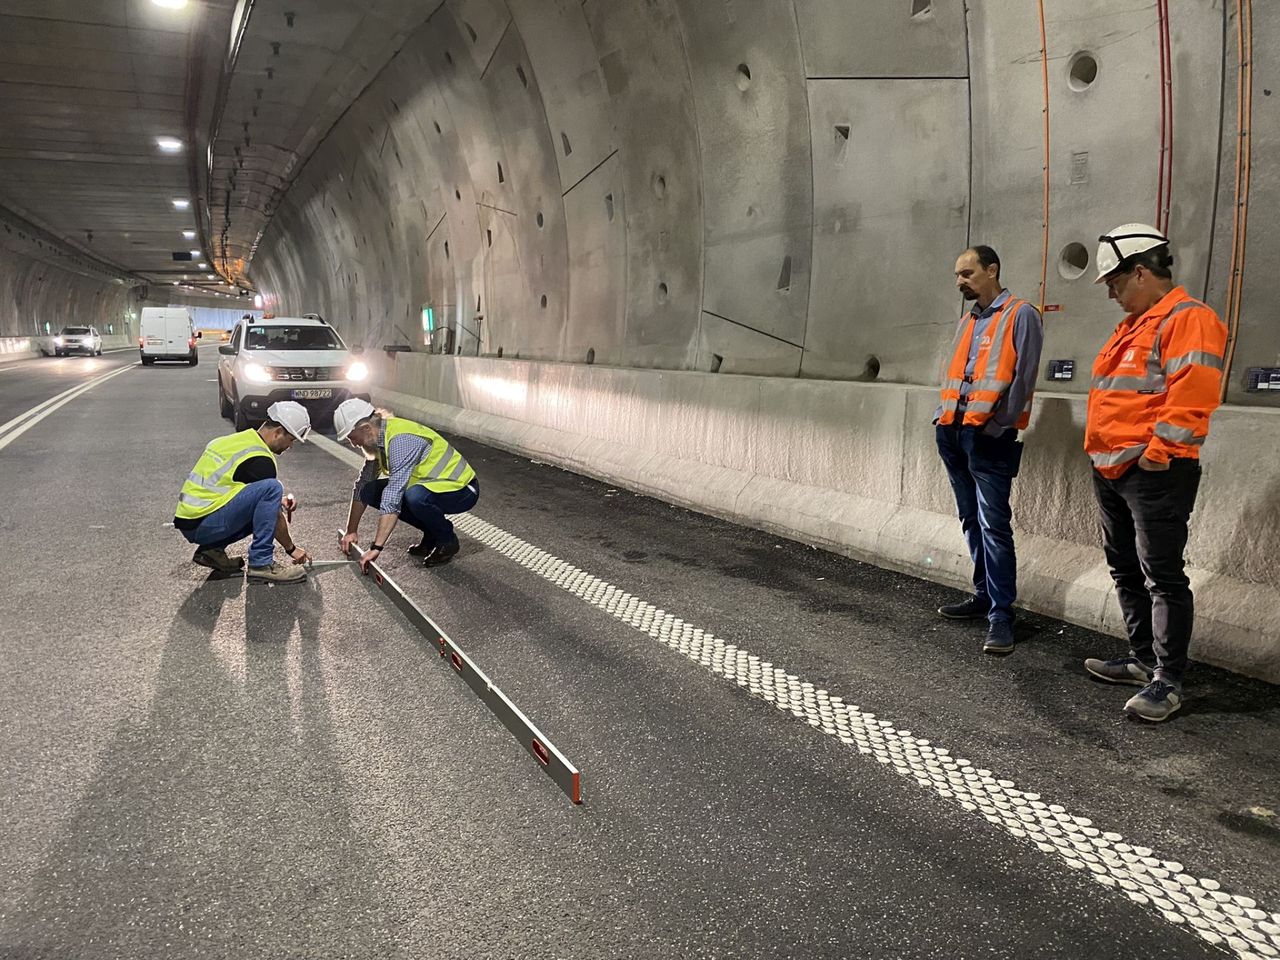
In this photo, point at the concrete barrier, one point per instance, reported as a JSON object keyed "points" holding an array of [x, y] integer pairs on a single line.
{"points": [[852, 467]]}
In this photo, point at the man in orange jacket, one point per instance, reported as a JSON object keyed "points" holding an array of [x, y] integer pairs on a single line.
{"points": [[1155, 384], [986, 399]]}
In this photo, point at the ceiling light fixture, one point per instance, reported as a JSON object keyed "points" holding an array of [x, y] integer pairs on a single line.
{"points": [[169, 144], [170, 4], [181, 204], [188, 234]]}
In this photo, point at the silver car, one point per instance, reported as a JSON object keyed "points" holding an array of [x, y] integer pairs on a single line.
{"points": [[77, 340]]}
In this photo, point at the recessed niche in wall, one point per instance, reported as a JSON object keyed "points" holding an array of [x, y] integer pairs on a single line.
{"points": [[448, 58], [457, 194], [524, 79], [1082, 70], [436, 124], [784, 275], [471, 31], [744, 77], [662, 293], [499, 351], [489, 236], [659, 186], [564, 142], [446, 249], [501, 176], [872, 370], [716, 360], [1074, 261], [608, 205], [921, 9], [543, 301], [540, 219], [591, 355]]}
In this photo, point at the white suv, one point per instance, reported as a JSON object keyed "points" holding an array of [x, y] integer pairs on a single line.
{"points": [[286, 358], [79, 339]]}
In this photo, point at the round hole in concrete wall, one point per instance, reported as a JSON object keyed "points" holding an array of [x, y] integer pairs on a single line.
{"points": [[544, 301], [1074, 261], [591, 355], [446, 249], [1082, 70], [659, 185], [872, 369], [662, 293], [540, 220], [744, 77]]}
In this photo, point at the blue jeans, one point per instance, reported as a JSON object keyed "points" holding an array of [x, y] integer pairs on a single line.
{"points": [[981, 469], [252, 512], [421, 508]]}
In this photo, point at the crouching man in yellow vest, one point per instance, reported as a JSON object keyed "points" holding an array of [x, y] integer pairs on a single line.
{"points": [[411, 473], [233, 493], [987, 389]]}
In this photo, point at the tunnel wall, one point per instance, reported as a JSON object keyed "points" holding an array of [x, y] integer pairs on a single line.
{"points": [[784, 455], [632, 194]]}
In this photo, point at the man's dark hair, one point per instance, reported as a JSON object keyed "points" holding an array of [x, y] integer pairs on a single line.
{"points": [[270, 424], [1157, 260], [987, 256]]}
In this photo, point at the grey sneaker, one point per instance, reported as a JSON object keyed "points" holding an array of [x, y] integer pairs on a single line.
{"points": [[215, 558], [277, 573], [1155, 702], [1128, 670], [999, 638], [971, 609]]}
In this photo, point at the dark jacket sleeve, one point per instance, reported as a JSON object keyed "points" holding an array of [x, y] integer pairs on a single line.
{"points": [[255, 469]]}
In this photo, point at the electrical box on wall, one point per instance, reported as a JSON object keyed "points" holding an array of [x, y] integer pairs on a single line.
{"points": [[1062, 369], [1262, 378]]}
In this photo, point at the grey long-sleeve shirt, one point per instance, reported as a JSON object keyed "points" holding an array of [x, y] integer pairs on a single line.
{"points": [[1028, 340]]}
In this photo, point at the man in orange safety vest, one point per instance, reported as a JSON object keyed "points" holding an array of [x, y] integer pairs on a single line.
{"points": [[1155, 385], [987, 389]]}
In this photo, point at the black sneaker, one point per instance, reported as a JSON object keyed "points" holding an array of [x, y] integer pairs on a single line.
{"points": [[423, 548], [439, 555], [1155, 702], [1128, 670], [971, 609], [999, 638]]}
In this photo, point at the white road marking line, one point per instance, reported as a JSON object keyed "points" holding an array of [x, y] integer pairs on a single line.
{"points": [[39, 412], [1232, 921]]}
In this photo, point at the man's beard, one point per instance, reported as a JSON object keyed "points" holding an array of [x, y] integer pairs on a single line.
{"points": [[968, 294]]}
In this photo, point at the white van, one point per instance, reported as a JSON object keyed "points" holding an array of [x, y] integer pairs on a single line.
{"points": [[167, 333]]}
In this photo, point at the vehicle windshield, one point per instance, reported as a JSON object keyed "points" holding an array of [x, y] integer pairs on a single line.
{"points": [[74, 331], [292, 338]]}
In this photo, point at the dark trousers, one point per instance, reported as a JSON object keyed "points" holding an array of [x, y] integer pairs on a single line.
{"points": [[1144, 533], [981, 469], [421, 508]]}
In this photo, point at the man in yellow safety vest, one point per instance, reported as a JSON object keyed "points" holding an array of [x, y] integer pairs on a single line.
{"points": [[233, 493], [411, 473]]}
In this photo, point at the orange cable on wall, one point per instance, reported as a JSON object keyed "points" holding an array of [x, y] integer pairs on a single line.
{"points": [[1044, 72]]}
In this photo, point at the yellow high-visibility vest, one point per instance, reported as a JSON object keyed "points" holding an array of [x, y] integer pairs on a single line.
{"points": [[444, 469], [211, 483]]}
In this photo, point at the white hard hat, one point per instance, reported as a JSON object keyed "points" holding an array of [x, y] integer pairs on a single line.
{"points": [[293, 416], [349, 413], [1123, 242]]}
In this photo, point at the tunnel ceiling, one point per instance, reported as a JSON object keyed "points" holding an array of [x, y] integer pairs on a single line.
{"points": [[298, 67]]}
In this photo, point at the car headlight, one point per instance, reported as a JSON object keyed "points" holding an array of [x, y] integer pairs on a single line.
{"points": [[257, 373], [57, 341], [357, 371]]}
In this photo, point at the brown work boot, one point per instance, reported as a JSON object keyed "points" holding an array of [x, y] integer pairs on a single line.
{"points": [[277, 573], [215, 558]]}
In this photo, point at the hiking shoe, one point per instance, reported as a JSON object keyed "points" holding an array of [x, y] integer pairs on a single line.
{"points": [[1155, 702], [440, 554], [999, 638], [971, 609], [423, 548], [277, 573], [1128, 670], [215, 558]]}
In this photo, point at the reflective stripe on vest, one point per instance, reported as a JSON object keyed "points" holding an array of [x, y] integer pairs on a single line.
{"points": [[211, 483]]}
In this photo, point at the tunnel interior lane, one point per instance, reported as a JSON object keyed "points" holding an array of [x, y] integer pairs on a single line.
{"points": [[228, 770]]}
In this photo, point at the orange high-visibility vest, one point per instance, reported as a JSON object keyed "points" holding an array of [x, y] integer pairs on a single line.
{"points": [[1155, 384], [992, 371]]}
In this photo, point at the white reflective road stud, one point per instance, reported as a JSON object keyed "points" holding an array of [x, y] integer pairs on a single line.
{"points": [[1104, 856]]}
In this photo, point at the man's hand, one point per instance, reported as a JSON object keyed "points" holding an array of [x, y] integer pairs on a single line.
{"points": [[1151, 466], [299, 556], [346, 542], [368, 557]]}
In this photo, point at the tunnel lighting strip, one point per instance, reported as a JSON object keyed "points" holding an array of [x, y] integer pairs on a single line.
{"points": [[1164, 886], [535, 743]]}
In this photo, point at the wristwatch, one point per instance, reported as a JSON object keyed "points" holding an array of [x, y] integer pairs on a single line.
{"points": [[376, 546]]}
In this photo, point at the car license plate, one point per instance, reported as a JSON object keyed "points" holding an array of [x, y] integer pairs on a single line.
{"points": [[155, 341], [312, 394]]}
